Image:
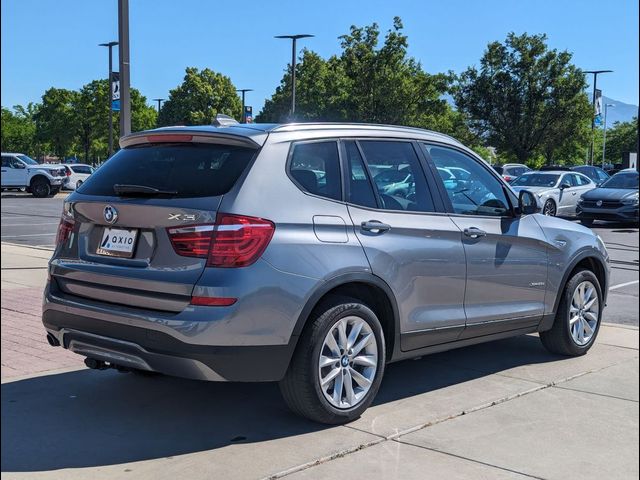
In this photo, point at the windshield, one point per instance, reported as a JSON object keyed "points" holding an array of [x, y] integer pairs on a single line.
{"points": [[536, 180], [622, 180], [27, 160]]}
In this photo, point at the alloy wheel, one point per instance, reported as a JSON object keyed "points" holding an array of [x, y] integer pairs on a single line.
{"points": [[549, 209], [584, 313], [348, 362]]}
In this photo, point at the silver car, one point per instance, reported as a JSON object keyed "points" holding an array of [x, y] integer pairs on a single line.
{"points": [[557, 192], [270, 253]]}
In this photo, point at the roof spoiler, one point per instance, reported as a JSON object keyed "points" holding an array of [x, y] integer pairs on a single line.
{"points": [[224, 121]]}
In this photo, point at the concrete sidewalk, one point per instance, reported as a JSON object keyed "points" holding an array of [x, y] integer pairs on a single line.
{"points": [[507, 409]]}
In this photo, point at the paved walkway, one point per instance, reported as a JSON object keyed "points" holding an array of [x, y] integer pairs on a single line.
{"points": [[507, 409]]}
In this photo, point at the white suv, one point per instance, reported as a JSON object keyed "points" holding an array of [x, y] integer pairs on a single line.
{"points": [[21, 171]]}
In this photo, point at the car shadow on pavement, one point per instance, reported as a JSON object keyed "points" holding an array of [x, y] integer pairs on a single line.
{"points": [[92, 418]]}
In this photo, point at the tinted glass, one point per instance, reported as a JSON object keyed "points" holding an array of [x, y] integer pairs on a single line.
{"points": [[622, 180], [536, 180], [516, 171], [81, 169], [360, 187], [582, 180], [191, 169], [316, 168], [481, 194], [5, 162], [397, 175]]}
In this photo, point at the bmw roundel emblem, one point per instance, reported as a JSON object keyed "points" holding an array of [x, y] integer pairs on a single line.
{"points": [[110, 214], [599, 203]]}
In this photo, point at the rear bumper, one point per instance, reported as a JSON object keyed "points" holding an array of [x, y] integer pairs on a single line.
{"points": [[627, 213], [151, 350]]}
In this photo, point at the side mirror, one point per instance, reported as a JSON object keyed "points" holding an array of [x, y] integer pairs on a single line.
{"points": [[527, 203], [564, 185]]}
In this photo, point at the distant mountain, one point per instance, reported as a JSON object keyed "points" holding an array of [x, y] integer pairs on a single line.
{"points": [[622, 112]]}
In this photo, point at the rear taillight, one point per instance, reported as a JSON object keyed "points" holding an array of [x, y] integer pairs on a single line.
{"points": [[67, 172], [64, 230], [233, 241], [507, 178]]}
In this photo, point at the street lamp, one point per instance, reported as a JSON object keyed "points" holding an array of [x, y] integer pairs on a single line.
{"points": [[593, 118], [294, 38], [159, 100], [604, 135], [243, 90], [110, 46]]}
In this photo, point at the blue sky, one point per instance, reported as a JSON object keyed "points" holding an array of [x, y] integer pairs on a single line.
{"points": [[54, 43]]}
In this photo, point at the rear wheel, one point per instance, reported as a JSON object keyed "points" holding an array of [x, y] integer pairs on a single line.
{"points": [[578, 318], [338, 365], [549, 208], [78, 183], [40, 188], [587, 222]]}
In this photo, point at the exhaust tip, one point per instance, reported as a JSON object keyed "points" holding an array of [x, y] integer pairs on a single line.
{"points": [[94, 364], [53, 341]]}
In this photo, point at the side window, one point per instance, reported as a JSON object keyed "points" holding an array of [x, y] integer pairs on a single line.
{"points": [[582, 181], [360, 189], [573, 180], [316, 168], [603, 176], [15, 163], [397, 175], [5, 162], [480, 194]]}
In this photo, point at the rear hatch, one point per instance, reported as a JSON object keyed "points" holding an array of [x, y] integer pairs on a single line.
{"points": [[136, 232]]}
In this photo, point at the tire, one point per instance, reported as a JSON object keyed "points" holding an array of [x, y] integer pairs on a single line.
{"points": [[301, 387], [549, 208], [54, 191], [560, 339], [587, 222], [78, 183], [40, 188]]}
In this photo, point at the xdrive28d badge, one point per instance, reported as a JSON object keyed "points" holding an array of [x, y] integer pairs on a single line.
{"points": [[313, 255]]}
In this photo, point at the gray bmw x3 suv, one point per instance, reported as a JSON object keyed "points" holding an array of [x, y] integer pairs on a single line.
{"points": [[277, 253]]}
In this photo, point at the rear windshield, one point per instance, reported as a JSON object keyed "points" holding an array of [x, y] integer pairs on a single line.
{"points": [[190, 169], [536, 180]]}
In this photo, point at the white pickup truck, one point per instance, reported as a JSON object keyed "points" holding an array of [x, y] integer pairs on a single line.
{"points": [[20, 171]]}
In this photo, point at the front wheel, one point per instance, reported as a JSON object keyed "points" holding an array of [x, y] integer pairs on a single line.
{"points": [[338, 365], [40, 188], [549, 208], [578, 318]]}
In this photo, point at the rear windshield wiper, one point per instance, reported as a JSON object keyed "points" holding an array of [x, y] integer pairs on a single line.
{"points": [[123, 189]]}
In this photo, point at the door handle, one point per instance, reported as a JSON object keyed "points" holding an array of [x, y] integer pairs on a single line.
{"points": [[374, 226], [474, 232]]}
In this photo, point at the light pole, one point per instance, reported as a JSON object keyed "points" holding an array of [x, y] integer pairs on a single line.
{"points": [[159, 100], [123, 38], [243, 90], [110, 46], [293, 38], [593, 117], [604, 135]]}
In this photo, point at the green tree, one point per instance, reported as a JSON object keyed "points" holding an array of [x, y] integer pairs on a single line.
{"points": [[367, 82], [19, 130], [56, 121], [622, 137], [200, 97], [522, 94]]}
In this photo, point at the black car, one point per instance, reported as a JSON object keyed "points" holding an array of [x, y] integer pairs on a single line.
{"points": [[596, 174], [615, 200]]}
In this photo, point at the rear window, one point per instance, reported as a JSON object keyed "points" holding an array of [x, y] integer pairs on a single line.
{"points": [[191, 169]]}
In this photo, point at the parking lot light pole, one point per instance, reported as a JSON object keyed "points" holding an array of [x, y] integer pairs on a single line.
{"points": [[604, 134], [593, 101], [125, 80], [294, 39], [110, 46], [243, 91]]}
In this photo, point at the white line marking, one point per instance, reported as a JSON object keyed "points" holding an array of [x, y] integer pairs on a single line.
{"points": [[621, 285], [28, 224], [30, 235]]}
